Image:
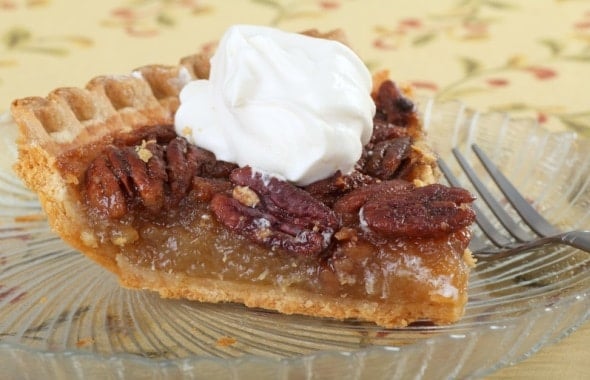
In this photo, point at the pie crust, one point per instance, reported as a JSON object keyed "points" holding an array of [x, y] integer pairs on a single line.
{"points": [[418, 278]]}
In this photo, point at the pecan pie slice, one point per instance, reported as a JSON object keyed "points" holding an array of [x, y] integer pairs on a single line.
{"points": [[384, 243]]}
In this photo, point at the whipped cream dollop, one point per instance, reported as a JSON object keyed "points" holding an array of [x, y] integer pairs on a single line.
{"points": [[286, 104]]}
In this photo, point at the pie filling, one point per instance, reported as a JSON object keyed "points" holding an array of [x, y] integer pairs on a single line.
{"points": [[170, 207]]}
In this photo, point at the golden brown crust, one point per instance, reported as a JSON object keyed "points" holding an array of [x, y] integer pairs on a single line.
{"points": [[71, 118]]}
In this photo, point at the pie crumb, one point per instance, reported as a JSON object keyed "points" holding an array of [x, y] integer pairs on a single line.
{"points": [[143, 153], [226, 341], [84, 342], [29, 218], [245, 196]]}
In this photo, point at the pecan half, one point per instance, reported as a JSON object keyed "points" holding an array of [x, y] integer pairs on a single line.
{"points": [[383, 159], [282, 215], [103, 189], [186, 161], [148, 177], [348, 206], [152, 175], [382, 130], [329, 190], [162, 134], [120, 179], [181, 167], [428, 211], [392, 106]]}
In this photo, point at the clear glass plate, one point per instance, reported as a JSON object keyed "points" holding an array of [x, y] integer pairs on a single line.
{"points": [[61, 313]]}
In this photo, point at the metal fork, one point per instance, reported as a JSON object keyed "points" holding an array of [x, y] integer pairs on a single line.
{"points": [[515, 239]]}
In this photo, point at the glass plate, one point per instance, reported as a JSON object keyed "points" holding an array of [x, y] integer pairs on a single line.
{"points": [[61, 313]]}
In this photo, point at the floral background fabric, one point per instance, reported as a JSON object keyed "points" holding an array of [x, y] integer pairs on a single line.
{"points": [[528, 58]]}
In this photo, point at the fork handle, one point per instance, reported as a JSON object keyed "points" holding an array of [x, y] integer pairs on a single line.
{"points": [[577, 239]]}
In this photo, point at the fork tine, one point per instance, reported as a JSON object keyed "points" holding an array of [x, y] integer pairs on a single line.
{"points": [[498, 210], [482, 221], [535, 220]]}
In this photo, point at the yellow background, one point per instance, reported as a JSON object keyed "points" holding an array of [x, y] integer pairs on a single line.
{"points": [[529, 57]]}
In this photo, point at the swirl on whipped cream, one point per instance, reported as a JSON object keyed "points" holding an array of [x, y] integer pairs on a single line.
{"points": [[289, 105]]}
